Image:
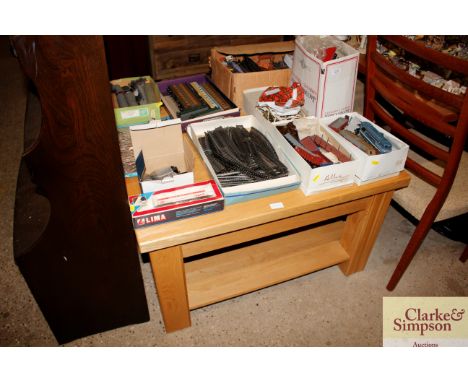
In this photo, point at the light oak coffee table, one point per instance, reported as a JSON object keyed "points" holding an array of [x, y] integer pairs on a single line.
{"points": [[309, 233]]}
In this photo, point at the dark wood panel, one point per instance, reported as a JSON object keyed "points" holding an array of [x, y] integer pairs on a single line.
{"points": [[177, 56], [127, 56], [163, 44], [183, 58], [73, 237]]}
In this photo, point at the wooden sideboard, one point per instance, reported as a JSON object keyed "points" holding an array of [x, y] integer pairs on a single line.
{"points": [[73, 236]]}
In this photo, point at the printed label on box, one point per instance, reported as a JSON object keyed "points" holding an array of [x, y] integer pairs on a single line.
{"points": [[176, 203], [134, 113]]}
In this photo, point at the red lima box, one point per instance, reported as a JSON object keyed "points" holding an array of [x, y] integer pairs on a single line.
{"points": [[175, 203]]}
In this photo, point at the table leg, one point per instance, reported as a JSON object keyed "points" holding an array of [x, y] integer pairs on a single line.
{"points": [[361, 230], [169, 276]]}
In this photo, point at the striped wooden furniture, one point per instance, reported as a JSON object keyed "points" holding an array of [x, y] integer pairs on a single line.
{"points": [[387, 85]]}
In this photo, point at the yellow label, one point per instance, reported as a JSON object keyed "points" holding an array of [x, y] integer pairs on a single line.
{"points": [[316, 177], [425, 321], [375, 162]]}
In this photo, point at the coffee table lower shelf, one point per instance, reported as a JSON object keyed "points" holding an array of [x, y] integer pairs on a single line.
{"points": [[252, 267]]}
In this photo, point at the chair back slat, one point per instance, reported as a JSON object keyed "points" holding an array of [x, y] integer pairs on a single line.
{"points": [[418, 49], [428, 90], [423, 172], [394, 86], [404, 100], [410, 138]]}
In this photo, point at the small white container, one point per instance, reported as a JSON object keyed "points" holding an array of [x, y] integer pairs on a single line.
{"points": [[373, 167], [248, 191], [320, 178]]}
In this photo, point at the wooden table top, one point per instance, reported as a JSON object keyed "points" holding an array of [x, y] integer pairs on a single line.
{"points": [[253, 212]]}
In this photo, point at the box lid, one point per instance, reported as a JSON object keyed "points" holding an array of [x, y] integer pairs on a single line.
{"points": [[271, 47]]}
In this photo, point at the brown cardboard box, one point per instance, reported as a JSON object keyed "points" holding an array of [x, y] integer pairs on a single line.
{"points": [[162, 147], [233, 84]]}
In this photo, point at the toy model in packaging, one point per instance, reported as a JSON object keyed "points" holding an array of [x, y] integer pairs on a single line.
{"points": [[176, 203]]}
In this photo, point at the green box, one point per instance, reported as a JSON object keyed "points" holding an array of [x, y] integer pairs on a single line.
{"points": [[136, 115]]}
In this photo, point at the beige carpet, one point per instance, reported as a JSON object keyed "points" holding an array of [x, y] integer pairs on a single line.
{"points": [[417, 196], [321, 309]]}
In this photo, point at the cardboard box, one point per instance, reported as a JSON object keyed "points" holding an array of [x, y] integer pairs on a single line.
{"points": [[320, 178], [127, 153], [249, 191], [200, 78], [134, 115], [176, 203], [374, 167], [329, 86], [162, 147], [185, 177], [234, 84]]}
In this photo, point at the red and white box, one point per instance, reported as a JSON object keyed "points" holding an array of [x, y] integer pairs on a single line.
{"points": [[176, 203], [329, 86]]}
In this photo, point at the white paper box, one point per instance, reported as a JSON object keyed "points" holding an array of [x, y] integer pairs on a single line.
{"points": [[328, 86], [320, 178], [373, 167], [251, 190], [162, 147], [177, 180]]}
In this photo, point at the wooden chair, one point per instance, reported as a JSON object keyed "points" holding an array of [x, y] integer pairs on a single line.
{"points": [[394, 96]]}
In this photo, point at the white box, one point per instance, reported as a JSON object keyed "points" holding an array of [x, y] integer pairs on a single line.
{"points": [[249, 191], [162, 147], [373, 167], [178, 180], [312, 180], [328, 86], [320, 178]]}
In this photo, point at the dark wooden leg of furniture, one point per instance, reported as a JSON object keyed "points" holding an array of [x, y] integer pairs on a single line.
{"points": [[464, 255], [417, 238], [415, 242]]}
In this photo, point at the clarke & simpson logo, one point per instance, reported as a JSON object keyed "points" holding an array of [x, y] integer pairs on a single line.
{"points": [[416, 320], [425, 321]]}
